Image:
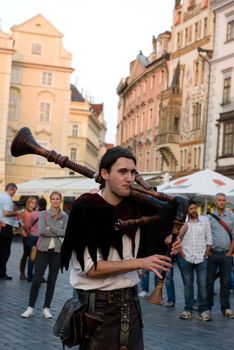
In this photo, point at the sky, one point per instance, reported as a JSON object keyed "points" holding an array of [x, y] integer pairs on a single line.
{"points": [[104, 36]]}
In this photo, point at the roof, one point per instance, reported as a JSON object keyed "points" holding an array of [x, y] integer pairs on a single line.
{"points": [[143, 59], [75, 94], [98, 108]]}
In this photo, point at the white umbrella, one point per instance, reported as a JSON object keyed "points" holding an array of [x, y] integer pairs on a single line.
{"points": [[203, 183]]}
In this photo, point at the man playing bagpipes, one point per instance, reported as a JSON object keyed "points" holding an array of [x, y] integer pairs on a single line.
{"points": [[104, 261]]}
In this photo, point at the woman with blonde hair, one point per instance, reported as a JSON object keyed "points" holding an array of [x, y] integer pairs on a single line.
{"points": [[30, 206], [52, 225]]}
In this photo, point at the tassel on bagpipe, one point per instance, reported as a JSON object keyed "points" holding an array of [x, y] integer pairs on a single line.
{"points": [[167, 212]]}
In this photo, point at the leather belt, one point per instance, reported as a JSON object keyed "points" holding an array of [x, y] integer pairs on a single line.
{"points": [[116, 295]]}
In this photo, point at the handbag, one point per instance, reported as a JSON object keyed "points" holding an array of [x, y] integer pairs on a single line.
{"points": [[70, 325], [33, 254]]}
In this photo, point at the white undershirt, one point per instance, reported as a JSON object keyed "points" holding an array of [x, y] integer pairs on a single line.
{"points": [[80, 280]]}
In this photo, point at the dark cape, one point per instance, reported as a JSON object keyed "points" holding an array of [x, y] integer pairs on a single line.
{"points": [[91, 224]]}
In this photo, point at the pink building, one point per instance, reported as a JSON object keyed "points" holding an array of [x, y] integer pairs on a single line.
{"points": [[138, 110]]}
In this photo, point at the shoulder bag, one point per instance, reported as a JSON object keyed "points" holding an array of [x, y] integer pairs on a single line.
{"points": [[223, 223], [70, 325]]}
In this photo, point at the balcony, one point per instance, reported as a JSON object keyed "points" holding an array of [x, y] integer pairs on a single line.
{"points": [[167, 138]]}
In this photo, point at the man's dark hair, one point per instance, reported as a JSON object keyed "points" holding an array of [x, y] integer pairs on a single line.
{"points": [[192, 202], [42, 203], [111, 156], [10, 186]]}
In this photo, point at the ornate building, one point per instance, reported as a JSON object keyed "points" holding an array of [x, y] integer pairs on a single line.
{"points": [[163, 103], [219, 152], [192, 33], [138, 110]]}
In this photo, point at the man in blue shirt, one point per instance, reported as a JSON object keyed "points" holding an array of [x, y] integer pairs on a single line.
{"points": [[221, 254]]}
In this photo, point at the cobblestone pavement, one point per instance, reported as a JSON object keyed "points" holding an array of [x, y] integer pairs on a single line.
{"points": [[163, 329]]}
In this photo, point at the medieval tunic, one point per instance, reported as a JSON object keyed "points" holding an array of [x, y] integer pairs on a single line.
{"points": [[91, 237]]}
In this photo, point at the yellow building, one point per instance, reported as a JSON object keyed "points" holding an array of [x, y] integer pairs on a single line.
{"points": [[6, 53], [35, 76]]}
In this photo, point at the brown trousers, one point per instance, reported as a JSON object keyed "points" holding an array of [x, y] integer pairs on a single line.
{"points": [[107, 337]]}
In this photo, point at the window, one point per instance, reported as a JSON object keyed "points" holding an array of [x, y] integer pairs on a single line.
{"points": [[181, 160], [203, 63], [230, 31], [196, 72], [178, 41], [14, 105], [163, 79], [144, 86], [196, 31], [195, 157], [186, 37], [36, 49], [73, 154], [44, 114], [142, 121], [138, 124], [205, 27], [185, 158], [163, 120], [15, 75], [46, 78], [196, 116], [228, 138], [75, 130], [227, 91], [139, 90], [199, 158], [9, 158], [147, 160], [152, 82], [176, 124], [150, 119], [190, 36]]}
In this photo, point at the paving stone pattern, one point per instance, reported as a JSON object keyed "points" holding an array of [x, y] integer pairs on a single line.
{"points": [[163, 330]]}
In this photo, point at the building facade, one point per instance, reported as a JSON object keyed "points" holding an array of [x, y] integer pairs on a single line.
{"points": [[87, 130], [163, 103], [40, 97], [138, 110], [192, 32], [219, 152], [6, 53]]}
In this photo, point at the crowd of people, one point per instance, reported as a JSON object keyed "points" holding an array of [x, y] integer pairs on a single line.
{"points": [[207, 245], [104, 262]]}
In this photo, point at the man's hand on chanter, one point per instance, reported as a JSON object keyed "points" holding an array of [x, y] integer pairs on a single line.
{"points": [[156, 263]]}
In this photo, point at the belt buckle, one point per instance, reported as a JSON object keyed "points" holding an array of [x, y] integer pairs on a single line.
{"points": [[116, 296]]}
